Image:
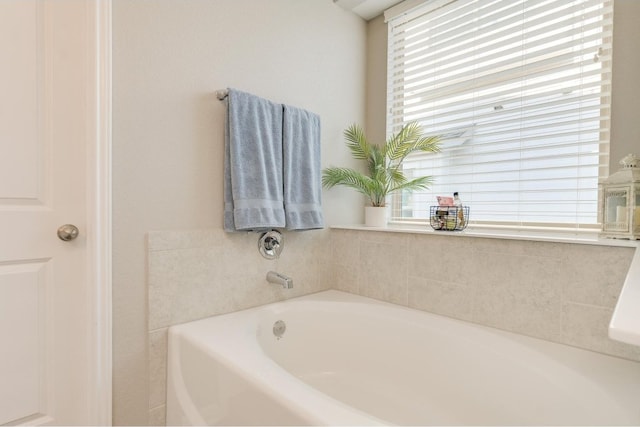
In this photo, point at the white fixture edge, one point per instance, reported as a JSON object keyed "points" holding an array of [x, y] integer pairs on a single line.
{"points": [[99, 195], [625, 322]]}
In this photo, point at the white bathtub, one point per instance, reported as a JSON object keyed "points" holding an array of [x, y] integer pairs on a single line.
{"points": [[348, 360]]}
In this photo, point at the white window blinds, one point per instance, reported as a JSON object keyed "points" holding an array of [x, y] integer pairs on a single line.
{"points": [[519, 91]]}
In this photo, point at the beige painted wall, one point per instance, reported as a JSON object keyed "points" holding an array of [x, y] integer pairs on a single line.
{"points": [[625, 102], [625, 126], [376, 111], [169, 57]]}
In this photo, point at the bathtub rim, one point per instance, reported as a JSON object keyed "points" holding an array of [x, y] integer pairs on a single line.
{"points": [[258, 355], [264, 372]]}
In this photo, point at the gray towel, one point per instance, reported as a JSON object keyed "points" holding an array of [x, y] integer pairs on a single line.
{"points": [[301, 169], [253, 164]]}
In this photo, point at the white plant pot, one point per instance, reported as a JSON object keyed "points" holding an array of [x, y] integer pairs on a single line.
{"points": [[375, 216]]}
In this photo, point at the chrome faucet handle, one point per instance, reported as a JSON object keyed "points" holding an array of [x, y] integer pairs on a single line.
{"points": [[271, 244]]}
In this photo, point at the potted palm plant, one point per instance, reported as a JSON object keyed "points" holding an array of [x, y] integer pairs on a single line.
{"points": [[384, 167]]}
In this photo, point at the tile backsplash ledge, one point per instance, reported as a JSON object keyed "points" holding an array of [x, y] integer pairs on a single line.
{"points": [[561, 292], [534, 234]]}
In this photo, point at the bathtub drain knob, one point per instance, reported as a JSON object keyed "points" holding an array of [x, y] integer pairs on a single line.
{"points": [[278, 328]]}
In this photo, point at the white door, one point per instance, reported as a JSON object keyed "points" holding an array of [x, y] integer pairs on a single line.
{"points": [[46, 329]]}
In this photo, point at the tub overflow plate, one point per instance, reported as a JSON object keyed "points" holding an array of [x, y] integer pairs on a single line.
{"points": [[278, 329]]}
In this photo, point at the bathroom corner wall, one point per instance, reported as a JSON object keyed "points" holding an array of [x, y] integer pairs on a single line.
{"points": [[559, 292], [169, 58]]}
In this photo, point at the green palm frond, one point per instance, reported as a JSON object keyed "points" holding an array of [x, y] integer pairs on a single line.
{"points": [[420, 183], [357, 142], [349, 178], [427, 144], [398, 144], [376, 162], [384, 163], [397, 176]]}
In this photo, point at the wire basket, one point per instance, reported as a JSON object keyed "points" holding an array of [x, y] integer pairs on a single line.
{"points": [[449, 218]]}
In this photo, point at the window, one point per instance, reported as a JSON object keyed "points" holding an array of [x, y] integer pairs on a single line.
{"points": [[519, 90]]}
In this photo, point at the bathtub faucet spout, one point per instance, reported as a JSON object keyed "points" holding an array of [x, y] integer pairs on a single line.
{"points": [[280, 279]]}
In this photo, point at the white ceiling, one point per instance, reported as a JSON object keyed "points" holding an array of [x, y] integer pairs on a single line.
{"points": [[367, 9]]}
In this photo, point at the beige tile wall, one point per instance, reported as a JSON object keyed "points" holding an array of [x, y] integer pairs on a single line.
{"points": [[555, 291], [200, 273]]}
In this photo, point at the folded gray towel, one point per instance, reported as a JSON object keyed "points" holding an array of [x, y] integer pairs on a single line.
{"points": [[253, 163], [301, 169]]}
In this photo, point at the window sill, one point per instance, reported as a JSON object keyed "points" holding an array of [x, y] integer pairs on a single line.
{"points": [[555, 236]]}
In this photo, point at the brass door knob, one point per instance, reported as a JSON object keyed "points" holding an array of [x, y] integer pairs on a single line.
{"points": [[68, 232]]}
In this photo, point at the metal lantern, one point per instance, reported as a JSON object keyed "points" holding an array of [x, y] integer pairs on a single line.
{"points": [[620, 201]]}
